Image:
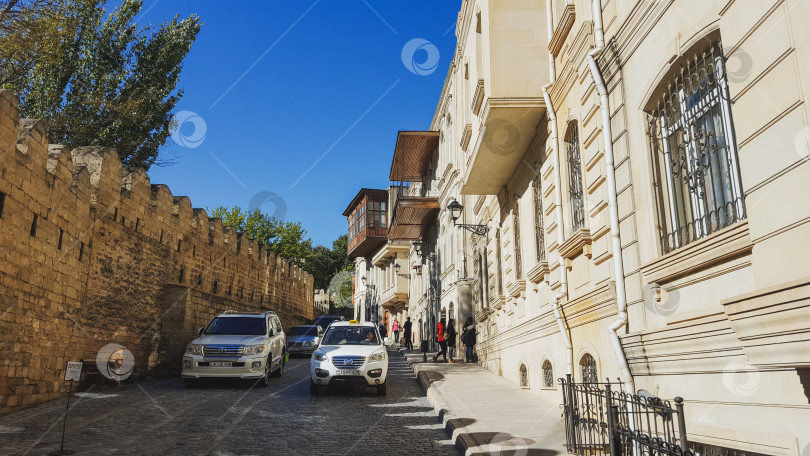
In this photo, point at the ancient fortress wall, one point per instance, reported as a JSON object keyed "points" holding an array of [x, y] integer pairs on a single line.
{"points": [[92, 253]]}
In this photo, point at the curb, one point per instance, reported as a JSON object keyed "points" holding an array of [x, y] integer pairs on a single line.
{"points": [[453, 425]]}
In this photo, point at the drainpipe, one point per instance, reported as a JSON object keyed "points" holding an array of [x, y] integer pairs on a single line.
{"points": [[613, 208], [552, 117]]}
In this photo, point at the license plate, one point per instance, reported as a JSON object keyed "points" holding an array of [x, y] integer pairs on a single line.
{"points": [[348, 372], [221, 364]]}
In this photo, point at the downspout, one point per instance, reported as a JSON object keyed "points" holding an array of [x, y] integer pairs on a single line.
{"points": [[558, 213], [613, 207]]}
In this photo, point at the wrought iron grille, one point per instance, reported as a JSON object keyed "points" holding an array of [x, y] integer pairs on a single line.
{"points": [[499, 257], [524, 376], [692, 134], [548, 374], [518, 259], [600, 419], [588, 365], [575, 177], [538, 218]]}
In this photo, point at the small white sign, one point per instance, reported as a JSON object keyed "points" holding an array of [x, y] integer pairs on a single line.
{"points": [[73, 371]]}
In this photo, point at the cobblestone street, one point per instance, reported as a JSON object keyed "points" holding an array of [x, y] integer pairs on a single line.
{"points": [[231, 418]]}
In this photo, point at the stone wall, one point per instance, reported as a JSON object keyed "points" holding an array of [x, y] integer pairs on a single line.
{"points": [[92, 253]]}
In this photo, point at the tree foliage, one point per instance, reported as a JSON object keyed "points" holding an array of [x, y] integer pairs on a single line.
{"points": [[287, 239], [97, 78]]}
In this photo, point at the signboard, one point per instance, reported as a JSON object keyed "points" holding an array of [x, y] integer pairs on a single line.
{"points": [[73, 371]]}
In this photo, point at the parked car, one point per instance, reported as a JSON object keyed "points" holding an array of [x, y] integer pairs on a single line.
{"points": [[350, 351], [325, 320], [303, 339], [237, 345]]}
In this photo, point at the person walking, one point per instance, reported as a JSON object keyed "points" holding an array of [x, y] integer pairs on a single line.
{"points": [[383, 330], [408, 335], [395, 329], [441, 338], [468, 338], [451, 340]]}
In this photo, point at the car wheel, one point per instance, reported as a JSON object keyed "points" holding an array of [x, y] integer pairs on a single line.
{"points": [[191, 382], [314, 388], [280, 371], [382, 389], [268, 371]]}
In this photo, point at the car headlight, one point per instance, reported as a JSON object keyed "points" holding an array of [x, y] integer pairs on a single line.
{"points": [[253, 349], [319, 356], [194, 349], [379, 356]]}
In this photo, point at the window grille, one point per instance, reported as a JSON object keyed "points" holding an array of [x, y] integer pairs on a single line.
{"points": [[692, 135], [588, 366], [704, 449], [538, 218], [518, 259], [524, 376], [548, 374], [575, 192]]}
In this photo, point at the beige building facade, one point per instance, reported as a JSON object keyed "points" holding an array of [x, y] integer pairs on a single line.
{"points": [[636, 172]]}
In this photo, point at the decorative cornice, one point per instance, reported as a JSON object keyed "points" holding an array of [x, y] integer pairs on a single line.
{"points": [[580, 241], [517, 288], [538, 272], [478, 97], [561, 31], [465, 137]]}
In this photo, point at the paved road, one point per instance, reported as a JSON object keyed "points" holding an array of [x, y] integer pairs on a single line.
{"points": [[226, 418]]}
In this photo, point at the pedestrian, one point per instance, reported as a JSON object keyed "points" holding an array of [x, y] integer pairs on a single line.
{"points": [[468, 338], [441, 338], [395, 329], [408, 336], [383, 330], [451, 340]]}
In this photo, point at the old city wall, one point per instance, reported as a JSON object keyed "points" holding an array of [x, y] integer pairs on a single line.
{"points": [[92, 253]]}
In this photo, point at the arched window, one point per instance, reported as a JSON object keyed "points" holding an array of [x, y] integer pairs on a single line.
{"points": [[524, 376], [548, 374], [575, 192], [588, 366], [695, 150]]}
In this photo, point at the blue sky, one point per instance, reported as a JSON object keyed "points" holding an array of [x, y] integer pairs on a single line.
{"points": [[315, 118]]}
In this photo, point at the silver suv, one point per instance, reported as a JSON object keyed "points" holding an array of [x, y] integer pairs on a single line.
{"points": [[237, 345]]}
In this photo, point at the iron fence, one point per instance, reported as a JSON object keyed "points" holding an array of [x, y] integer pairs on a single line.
{"points": [[601, 419]]}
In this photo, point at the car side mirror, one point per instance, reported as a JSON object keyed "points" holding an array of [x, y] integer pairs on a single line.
{"points": [[388, 341], [316, 341], [271, 333], [200, 331]]}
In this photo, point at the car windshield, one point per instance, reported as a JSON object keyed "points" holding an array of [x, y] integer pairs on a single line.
{"points": [[351, 335], [303, 331], [251, 326]]}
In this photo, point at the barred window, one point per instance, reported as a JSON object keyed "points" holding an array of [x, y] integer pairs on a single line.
{"points": [[538, 218], [588, 366], [524, 376], [548, 374], [516, 223], [692, 135], [575, 192]]}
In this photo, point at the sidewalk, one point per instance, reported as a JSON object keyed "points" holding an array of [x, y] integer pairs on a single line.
{"points": [[486, 413]]}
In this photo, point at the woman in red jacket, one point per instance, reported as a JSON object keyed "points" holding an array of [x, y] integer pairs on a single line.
{"points": [[441, 338]]}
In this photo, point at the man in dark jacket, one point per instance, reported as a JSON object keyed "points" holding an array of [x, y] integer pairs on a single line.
{"points": [[407, 328]]}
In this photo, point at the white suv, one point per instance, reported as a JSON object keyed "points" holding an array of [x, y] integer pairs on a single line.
{"points": [[237, 345], [350, 351]]}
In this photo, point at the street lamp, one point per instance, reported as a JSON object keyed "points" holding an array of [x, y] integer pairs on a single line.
{"points": [[397, 267], [363, 279], [455, 209], [417, 247]]}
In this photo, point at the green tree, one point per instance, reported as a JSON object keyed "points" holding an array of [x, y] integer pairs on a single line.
{"points": [[105, 81], [287, 239]]}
